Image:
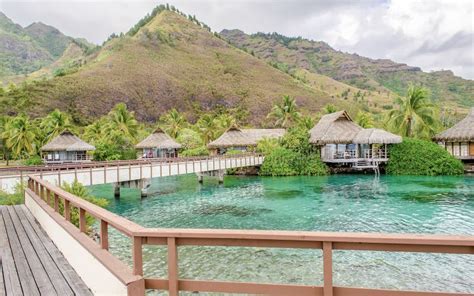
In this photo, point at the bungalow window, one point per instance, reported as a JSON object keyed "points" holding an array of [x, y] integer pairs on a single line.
{"points": [[56, 155]]}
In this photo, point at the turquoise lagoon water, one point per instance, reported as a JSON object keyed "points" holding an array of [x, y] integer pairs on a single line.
{"points": [[345, 203]]}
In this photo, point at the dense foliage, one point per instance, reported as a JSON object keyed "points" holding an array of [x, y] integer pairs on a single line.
{"points": [[292, 155], [15, 198], [419, 157]]}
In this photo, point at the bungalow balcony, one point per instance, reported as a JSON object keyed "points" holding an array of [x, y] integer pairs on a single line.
{"points": [[331, 155]]}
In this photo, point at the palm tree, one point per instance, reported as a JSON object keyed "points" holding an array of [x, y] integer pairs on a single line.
{"points": [[20, 135], [122, 121], [207, 126], [306, 122], [364, 119], [54, 124], [3, 125], [173, 122], [94, 131], [285, 113], [415, 115], [225, 121]]}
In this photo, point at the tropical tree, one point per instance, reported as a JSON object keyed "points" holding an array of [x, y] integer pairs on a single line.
{"points": [[285, 113], [3, 125], [54, 124], [121, 122], [20, 136], [364, 119], [173, 122], [307, 122], [225, 121], [415, 115], [208, 128], [95, 131]]}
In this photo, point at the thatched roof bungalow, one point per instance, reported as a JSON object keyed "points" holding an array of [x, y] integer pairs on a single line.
{"points": [[334, 128], [242, 139], [459, 139], [66, 147], [158, 144], [343, 141]]}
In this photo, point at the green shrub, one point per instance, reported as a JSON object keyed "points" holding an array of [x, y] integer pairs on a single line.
{"points": [[286, 162], [199, 151], [418, 157], [280, 162], [267, 145], [33, 160], [81, 191], [16, 198], [234, 152]]}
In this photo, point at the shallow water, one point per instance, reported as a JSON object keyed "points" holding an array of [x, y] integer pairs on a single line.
{"points": [[355, 203]]}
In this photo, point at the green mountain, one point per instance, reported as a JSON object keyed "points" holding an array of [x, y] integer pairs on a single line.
{"points": [[49, 38], [19, 53], [293, 54], [25, 50], [169, 61]]}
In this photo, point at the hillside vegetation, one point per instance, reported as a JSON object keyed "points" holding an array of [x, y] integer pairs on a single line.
{"points": [[169, 61], [382, 76]]}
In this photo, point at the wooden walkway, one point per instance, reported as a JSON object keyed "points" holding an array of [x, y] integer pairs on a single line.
{"points": [[30, 263]]}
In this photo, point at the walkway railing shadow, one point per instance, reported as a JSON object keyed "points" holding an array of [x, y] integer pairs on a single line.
{"points": [[49, 197]]}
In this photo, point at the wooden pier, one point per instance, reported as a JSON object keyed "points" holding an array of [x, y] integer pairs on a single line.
{"points": [[30, 263]]}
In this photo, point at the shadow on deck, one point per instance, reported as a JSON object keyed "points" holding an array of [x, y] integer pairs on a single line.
{"points": [[30, 263]]}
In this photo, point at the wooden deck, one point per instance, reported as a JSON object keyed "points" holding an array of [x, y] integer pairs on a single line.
{"points": [[30, 263]]}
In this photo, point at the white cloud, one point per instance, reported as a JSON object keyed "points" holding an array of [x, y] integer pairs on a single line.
{"points": [[432, 34]]}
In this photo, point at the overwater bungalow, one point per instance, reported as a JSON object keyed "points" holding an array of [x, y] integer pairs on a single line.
{"points": [[342, 141], [244, 140], [158, 145], [459, 139], [66, 147]]}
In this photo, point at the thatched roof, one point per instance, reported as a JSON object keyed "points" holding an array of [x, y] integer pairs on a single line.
{"points": [[66, 141], [462, 131], [376, 136], [334, 128], [158, 139], [235, 137]]}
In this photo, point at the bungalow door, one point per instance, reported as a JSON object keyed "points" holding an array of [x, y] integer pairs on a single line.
{"points": [[471, 148]]}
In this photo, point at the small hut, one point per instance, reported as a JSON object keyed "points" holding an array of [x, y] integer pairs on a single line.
{"points": [[242, 139], [334, 134], [158, 145], [459, 139], [66, 147], [343, 141]]}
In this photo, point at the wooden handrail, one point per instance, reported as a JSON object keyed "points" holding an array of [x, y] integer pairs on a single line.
{"points": [[327, 241], [100, 164]]}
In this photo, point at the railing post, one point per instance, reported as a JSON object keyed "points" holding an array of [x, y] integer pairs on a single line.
{"points": [[67, 210], [172, 267], [56, 202], [104, 235], [82, 220], [137, 255], [48, 197], [327, 268]]}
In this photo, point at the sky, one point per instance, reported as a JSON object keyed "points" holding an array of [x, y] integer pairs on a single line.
{"points": [[431, 34]]}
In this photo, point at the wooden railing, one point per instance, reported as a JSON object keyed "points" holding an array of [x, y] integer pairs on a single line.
{"points": [[100, 164], [49, 197]]}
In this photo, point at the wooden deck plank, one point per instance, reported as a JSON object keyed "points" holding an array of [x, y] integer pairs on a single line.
{"points": [[2, 284], [52, 271], [10, 274], [72, 278], [40, 275], [27, 282]]}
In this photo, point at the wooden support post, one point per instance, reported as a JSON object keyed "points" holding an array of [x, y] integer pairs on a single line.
{"points": [[141, 173], [105, 174], [327, 268], [194, 166], [82, 220], [67, 210], [56, 202], [75, 173], [137, 255], [118, 174], [104, 235], [90, 176], [172, 267], [48, 196]]}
